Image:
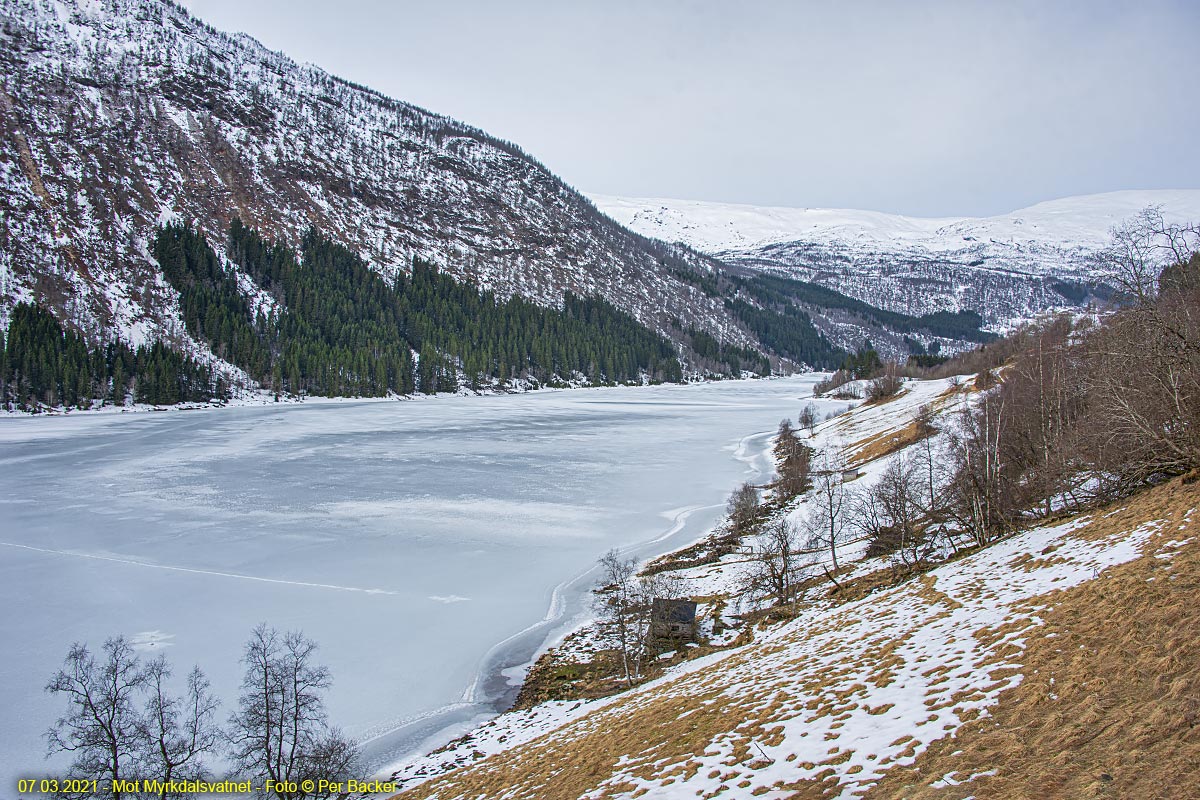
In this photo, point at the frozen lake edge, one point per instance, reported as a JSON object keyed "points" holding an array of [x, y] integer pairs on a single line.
{"points": [[571, 467]]}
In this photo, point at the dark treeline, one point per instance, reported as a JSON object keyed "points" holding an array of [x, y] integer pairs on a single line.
{"points": [[340, 328], [737, 358], [709, 284], [789, 332], [863, 363], [43, 364], [779, 292]]}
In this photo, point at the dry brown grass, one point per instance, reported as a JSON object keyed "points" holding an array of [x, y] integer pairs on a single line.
{"points": [[554, 677], [1123, 650], [882, 444], [1110, 703]]}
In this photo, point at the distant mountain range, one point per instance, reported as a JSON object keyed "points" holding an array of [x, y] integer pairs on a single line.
{"points": [[1006, 267]]}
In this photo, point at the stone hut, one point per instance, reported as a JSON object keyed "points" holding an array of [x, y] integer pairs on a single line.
{"points": [[673, 619]]}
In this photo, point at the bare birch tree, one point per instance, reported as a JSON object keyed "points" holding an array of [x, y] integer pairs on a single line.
{"points": [[281, 731], [742, 508], [624, 601], [178, 731], [777, 564], [123, 723], [102, 726], [828, 523]]}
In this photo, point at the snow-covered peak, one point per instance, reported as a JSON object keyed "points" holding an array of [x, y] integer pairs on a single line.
{"points": [[1070, 222]]}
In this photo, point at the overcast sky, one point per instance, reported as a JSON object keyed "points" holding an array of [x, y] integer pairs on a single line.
{"points": [[928, 108]]}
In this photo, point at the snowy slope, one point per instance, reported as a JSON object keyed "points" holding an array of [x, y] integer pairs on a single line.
{"points": [[838, 696], [1006, 267], [1071, 223], [118, 114], [838, 699]]}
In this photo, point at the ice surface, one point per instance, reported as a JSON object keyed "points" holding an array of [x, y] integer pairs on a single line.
{"points": [[407, 538]]}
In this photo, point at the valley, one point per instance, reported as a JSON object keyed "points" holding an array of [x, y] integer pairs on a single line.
{"points": [[454, 480]]}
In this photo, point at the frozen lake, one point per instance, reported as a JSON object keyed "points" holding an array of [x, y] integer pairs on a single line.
{"points": [[426, 545]]}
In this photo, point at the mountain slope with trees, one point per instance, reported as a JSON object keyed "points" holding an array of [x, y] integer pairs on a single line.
{"points": [[122, 116], [334, 327], [1006, 268]]}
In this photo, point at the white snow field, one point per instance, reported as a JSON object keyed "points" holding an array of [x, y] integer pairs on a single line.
{"points": [[425, 545], [1071, 223]]}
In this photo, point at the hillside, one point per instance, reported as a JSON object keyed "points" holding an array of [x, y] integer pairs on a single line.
{"points": [[1060, 661], [1005, 267], [119, 115]]}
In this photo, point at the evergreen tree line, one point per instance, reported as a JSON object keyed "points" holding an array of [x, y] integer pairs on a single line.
{"points": [[738, 358], [781, 292], [341, 328], [789, 332], [43, 364], [863, 362]]}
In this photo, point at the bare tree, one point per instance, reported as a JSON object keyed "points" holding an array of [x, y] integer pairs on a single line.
{"points": [[624, 601], [742, 508], [123, 723], [280, 732], [777, 565], [1143, 366], [886, 384], [792, 462], [102, 726], [808, 418], [178, 731], [1144, 384], [934, 473], [617, 605], [1142, 247], [927, 460], [892, 515], [829, 521], [979, 500]]}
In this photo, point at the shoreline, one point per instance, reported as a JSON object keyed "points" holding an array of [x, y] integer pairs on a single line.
{"points": [[491, 683], [257, 398], [507, 675]]}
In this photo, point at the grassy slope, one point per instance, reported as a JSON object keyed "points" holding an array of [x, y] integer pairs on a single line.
{"points": [[867, 693], [1110, 704]]}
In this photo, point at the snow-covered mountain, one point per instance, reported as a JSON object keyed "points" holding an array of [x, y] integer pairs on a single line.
{"points": [[1004, 267], [116, 115]]}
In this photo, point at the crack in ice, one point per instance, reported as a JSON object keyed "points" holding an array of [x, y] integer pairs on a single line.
{"points": [[199, 571]]}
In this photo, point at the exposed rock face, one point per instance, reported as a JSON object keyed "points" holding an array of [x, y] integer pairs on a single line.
{"points": [[118, 114]]}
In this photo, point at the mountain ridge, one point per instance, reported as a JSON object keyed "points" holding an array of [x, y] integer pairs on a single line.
{"points": [[1007, 268], [748, 225], [120, 115]]}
